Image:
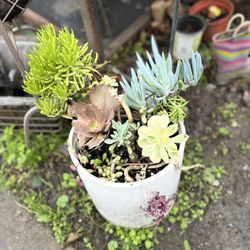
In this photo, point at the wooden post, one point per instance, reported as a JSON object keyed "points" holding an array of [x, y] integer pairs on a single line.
{"points": [[91, 26]]}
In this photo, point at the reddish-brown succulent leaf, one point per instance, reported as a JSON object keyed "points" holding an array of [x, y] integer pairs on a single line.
{"points": [[82, 140], [90, 122], [82, 129], [94, 118], [101, 97], [86, 111], [110, 116], [89, 118]]}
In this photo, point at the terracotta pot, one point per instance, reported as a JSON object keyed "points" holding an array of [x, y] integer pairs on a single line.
{"points": [[214, 26]]}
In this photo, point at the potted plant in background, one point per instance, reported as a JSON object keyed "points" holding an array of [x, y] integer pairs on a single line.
{"points": [[216, 12], [127, 140], [188, 36]]}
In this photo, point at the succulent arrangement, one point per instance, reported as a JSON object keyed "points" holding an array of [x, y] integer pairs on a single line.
{"points": [[126, 131]]}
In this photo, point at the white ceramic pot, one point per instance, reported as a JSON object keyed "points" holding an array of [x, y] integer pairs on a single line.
{"points": [[186, 42], [134, 205]]}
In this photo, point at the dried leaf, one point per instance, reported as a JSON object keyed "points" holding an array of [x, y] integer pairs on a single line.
{"points": [[103, 97], [95, 141]]}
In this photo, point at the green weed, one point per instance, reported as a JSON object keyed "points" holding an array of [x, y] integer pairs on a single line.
{"points": [[228, 110], [224, 149], [52, 195], [225, 132], [13, 150], [245, 147]]}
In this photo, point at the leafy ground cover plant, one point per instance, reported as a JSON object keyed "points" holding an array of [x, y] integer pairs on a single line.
{"points": [[14, 151], [65, 77], [55, 199]]}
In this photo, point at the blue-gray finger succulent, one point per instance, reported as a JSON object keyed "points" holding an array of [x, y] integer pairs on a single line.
{"points": [[135, 92], [190, 74], [154, 79], [157, 73]]}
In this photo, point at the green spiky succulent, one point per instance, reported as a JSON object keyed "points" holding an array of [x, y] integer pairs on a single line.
{"points": [[176, 105], [60, 69], [157, 139]]}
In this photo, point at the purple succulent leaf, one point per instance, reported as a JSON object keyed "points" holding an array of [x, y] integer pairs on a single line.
{"points": [[158, 206]]}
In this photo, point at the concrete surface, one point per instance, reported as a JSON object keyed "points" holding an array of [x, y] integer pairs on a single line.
{"points": [[18, 229]]}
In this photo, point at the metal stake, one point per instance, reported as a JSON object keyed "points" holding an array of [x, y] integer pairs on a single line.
{"points": [[174, 25]]}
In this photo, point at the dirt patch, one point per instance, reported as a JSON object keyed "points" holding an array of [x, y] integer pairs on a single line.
{"points": [[226, 224]]}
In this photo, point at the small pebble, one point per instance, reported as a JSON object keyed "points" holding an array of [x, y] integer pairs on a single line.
{"points": [[245, 167], [233, 89], [210, 87], [246, 98], [234, 124], [73, 168], [18, 213]]}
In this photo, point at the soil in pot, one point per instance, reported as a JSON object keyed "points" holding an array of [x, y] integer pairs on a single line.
{"points": [[10, 77], [11, 83], [190, 24], [100, 164], [213, 13], [5, 86]]}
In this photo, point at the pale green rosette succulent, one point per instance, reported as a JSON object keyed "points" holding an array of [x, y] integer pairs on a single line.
{"points": [[156, 141]]}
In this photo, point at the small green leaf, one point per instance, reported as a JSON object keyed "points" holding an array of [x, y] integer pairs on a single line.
{"points": [[44, 218], [186, 245], [148, 244], [112, 245], [62, 201], [36, 182]]}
